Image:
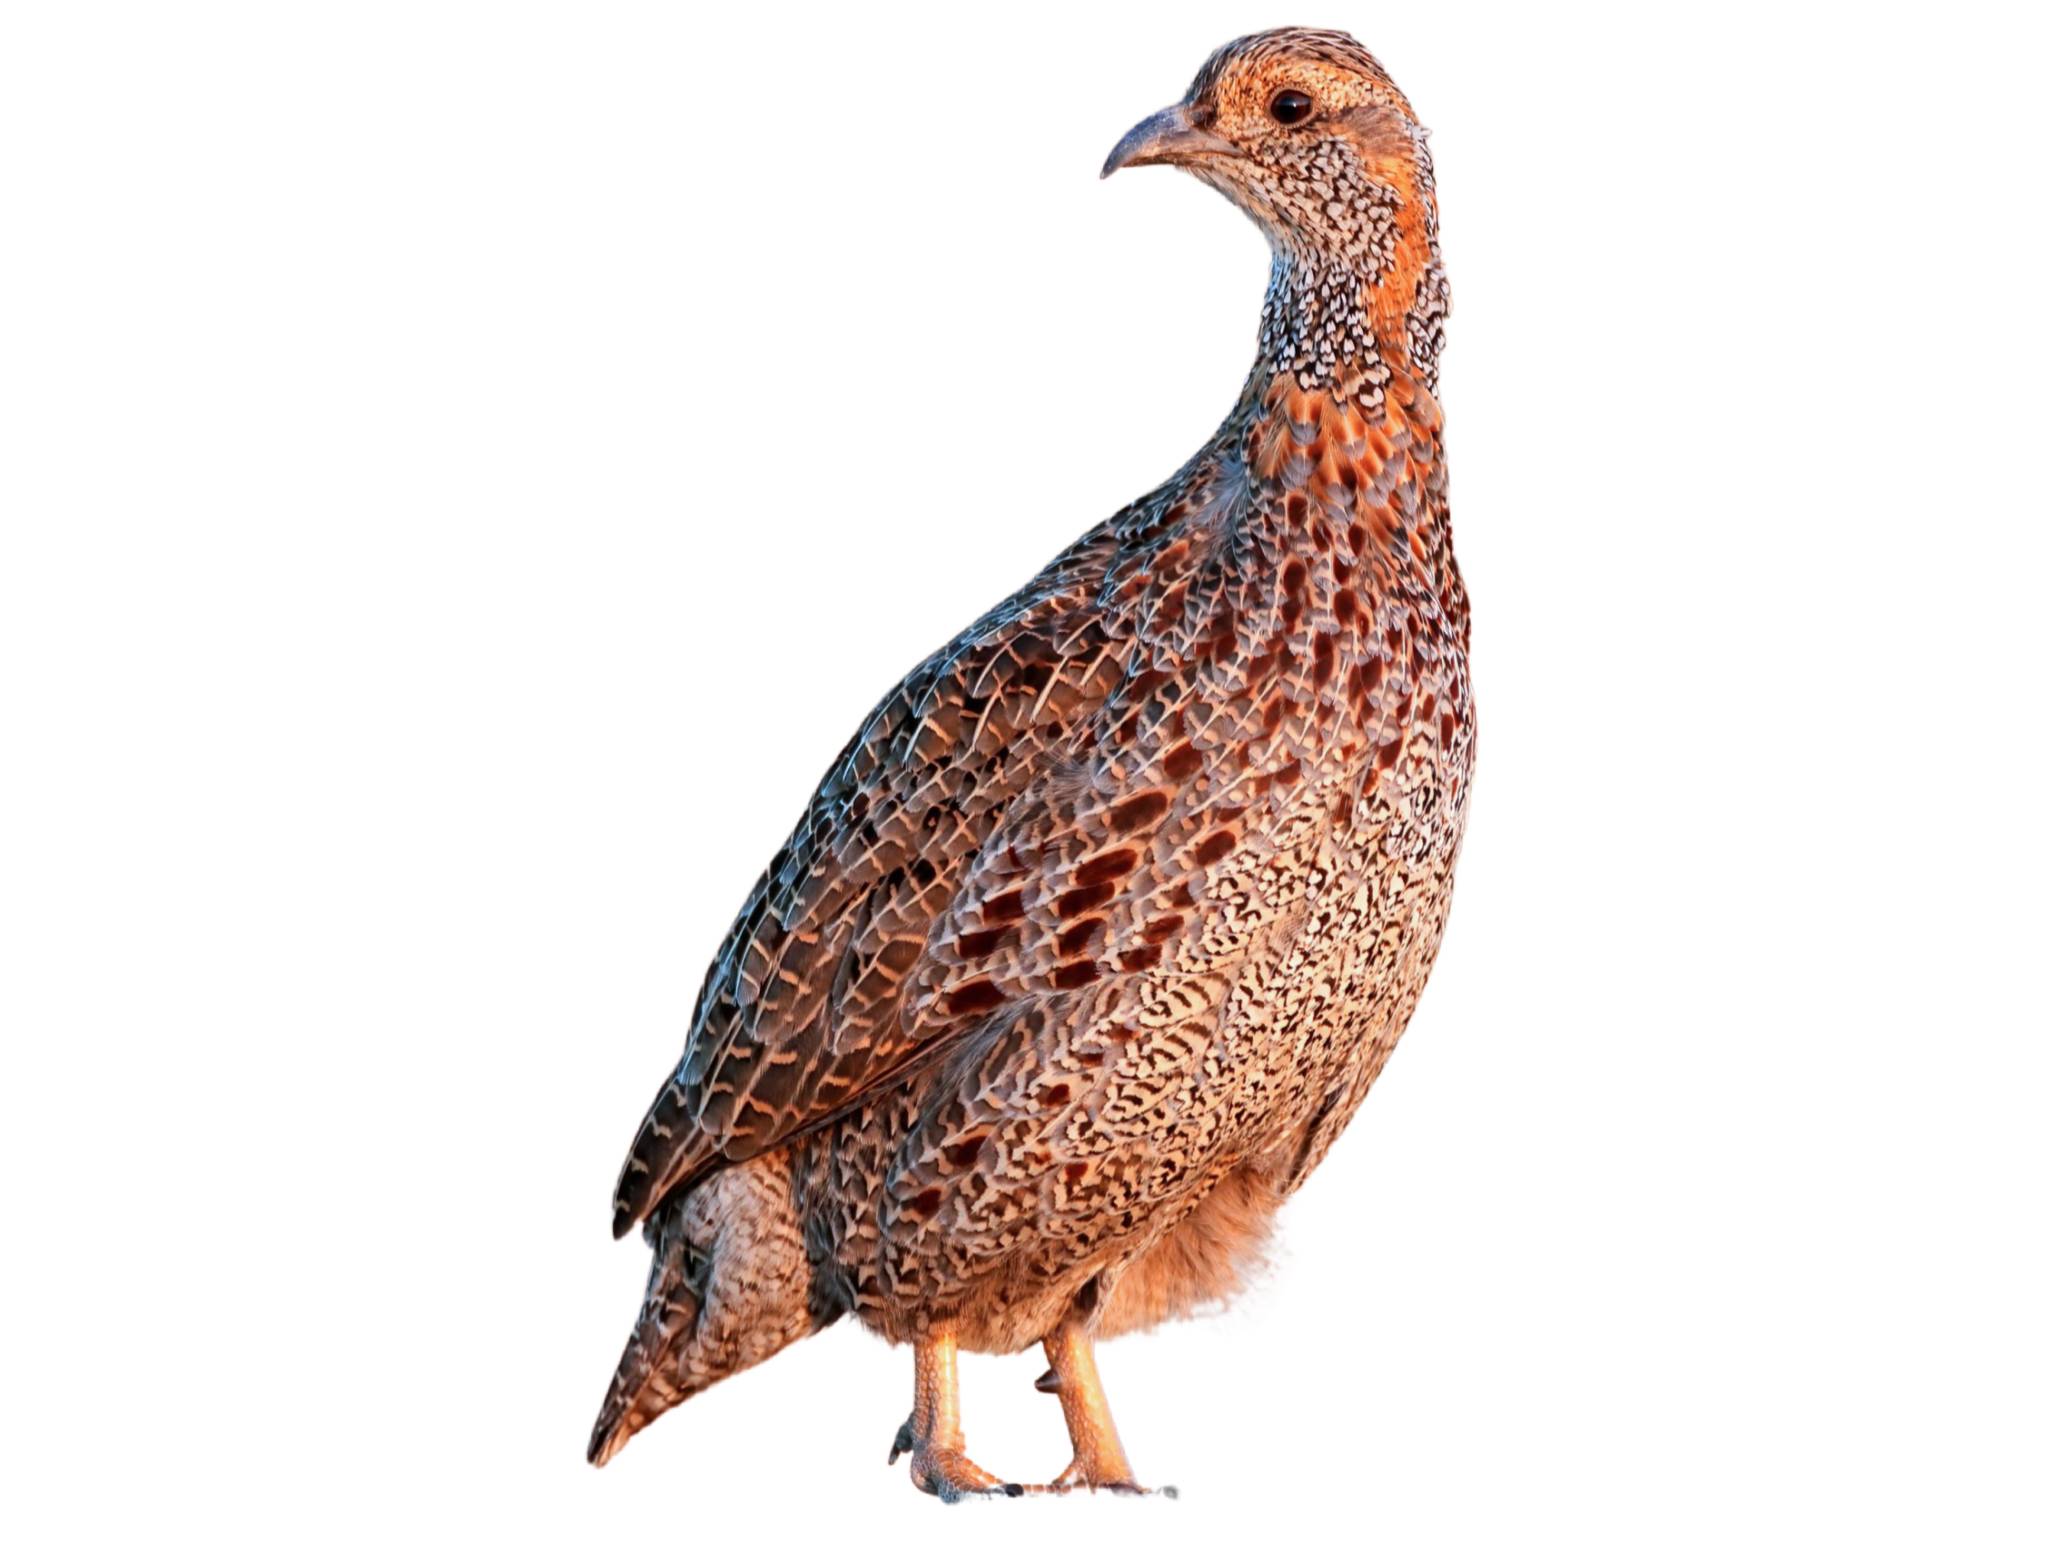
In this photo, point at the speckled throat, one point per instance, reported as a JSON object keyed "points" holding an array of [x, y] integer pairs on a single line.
{"points": [[1357, 292]]}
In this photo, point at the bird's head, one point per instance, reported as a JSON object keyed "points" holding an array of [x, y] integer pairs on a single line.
{"points": [[1303, 130]]}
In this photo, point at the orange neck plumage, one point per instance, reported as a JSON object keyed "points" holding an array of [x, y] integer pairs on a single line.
{"points": [[1342, 413]]}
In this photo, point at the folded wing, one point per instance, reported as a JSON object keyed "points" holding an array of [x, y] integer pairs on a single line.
{"points": [[801, 1014]]}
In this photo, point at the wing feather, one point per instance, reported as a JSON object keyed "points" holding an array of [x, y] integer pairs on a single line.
{"points": [[800, 1015]]}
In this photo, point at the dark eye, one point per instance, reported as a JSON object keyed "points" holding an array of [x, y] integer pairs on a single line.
{"points": [[1290, 107]]}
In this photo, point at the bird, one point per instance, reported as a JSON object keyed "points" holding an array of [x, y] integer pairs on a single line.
{"points": [[1097, 931]]}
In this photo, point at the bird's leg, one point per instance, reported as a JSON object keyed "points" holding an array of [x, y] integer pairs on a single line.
{"points": [[932, 1435], [1071, 1375]]}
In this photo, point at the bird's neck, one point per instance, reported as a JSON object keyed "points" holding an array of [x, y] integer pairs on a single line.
{"points": [[1340, 427], [1352, 317]]}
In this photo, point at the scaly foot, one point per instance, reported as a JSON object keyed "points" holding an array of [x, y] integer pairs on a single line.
{"points": [[1099, 1462], [932, 1435], [1080, 1475], [948, 1473], [1084, 1474]]}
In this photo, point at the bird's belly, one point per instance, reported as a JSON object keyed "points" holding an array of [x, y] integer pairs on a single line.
{"points": [[1316, 1018], [996, 1203]]}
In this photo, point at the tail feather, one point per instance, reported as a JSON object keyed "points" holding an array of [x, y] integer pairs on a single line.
{"points": [[646, 1385], [729, 1287]]}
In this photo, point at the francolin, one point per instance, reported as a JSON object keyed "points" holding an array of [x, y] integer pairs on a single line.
{"points": [[1097, 932]]}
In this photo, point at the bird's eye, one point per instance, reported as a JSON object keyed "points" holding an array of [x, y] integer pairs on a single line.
{"points": [[1290, 107]]}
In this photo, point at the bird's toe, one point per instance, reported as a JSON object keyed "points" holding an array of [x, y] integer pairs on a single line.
{"points": [[1083, 1476], [952, 1475]]}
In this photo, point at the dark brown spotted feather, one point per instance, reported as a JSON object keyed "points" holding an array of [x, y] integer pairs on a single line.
{"points": [[1098, 931]]}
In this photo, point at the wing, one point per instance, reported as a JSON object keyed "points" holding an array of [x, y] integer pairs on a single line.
{"points": [[799, 1015]]}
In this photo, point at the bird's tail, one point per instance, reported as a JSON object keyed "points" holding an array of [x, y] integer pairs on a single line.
{"points": [[729, 1287]]}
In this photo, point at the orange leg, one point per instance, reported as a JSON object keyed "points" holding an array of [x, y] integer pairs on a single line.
{"points": [[939, 1463], [1099, 1462]]}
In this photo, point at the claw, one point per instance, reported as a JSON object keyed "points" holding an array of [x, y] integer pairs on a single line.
{"points": [[1048, 1381], [905, 1441]]}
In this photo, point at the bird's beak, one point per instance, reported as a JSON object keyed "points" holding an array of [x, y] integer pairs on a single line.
{"points": [[1172, 135]]}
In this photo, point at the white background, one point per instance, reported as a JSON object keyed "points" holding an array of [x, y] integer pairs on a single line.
{"points": [[466, 468]]}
